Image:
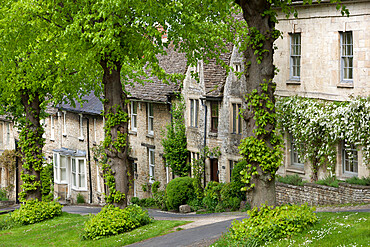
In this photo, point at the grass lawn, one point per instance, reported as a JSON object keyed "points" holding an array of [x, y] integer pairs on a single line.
{"points": [[67, 229], [332, 229]]}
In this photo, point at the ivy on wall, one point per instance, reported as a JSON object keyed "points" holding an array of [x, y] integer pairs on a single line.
{"points": [[174, 142], [317, 126]]}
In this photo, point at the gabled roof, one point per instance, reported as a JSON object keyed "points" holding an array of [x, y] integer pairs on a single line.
{"points": [[92, 106], [215, 75], [173, 62]]}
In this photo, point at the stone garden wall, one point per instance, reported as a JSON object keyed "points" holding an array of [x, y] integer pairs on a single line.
{"points": [[315, 194]]}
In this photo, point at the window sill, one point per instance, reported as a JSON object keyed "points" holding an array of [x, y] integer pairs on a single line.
{"points": [[81, 138], [212, 134], [79, 189], [295, 169], [293, 82], [61, 183], [151, 136], [345, 85], [52, 140], [132, 132], [64, 135]]}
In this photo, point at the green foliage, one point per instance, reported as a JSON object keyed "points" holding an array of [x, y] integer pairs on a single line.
{"points": [[34, 211], [331, 181], [179, 191], [359, 181], [155, 186], [160, 198], [80, 198], [266, 224], [3, 194], [113, 220], [47, 182], [318, 126], [291, 179], [230, 198], [236, 180], [212, 195], [255, 150], [174, 142]]}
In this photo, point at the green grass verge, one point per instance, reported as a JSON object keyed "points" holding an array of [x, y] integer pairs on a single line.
{"points": [[332, 229], [66, 230]]}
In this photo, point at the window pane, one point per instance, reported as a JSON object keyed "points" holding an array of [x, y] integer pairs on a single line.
{"points": [[81, 180], [196, 112], [134, 107], [234, 118], [191, 112], [81, 166]]}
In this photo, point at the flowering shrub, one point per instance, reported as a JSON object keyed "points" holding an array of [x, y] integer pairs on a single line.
{"points": [[34, 211], [318, 125], [266, 224], [113, 220]]}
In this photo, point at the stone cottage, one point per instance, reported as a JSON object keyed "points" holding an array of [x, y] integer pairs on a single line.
{"points": [[324, 55]]}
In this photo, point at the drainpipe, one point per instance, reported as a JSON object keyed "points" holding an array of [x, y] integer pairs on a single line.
{"points": [[88, 157], [204, 104], [16, 173]]}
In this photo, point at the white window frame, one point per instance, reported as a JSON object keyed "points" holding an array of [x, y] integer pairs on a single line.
{"points": [[81, 129], [294, 156], [52, 128], [346, 161], [58, 169], [95, 130], [98, 179], [194, 112], [64, 130], [237, 67], [236, 122], [150, 119], [151, 158], [346, 56], [134, 116], [295, 56], [7, 133], [78, 173]]}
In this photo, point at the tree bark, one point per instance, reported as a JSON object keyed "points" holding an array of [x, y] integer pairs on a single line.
{"points": [[32, 129], [256, 74], [115, 102]]}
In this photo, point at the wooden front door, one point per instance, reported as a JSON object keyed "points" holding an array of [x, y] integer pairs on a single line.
{"points": [[214, 170]]}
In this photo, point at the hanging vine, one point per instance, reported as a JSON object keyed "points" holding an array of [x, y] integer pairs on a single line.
{"points": [[318, 126]]}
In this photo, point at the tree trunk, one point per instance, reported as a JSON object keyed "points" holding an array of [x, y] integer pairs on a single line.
{"points": [[31, 145], [259, 70], [114, 105]]}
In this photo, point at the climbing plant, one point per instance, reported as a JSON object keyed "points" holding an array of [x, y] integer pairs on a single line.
{"points": [[317, 126], [198, 168], [254, 149], [174, 142]]}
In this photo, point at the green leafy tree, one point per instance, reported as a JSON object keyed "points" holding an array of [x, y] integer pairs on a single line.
{"points": [[33, 73], [175, 142], [122, 40], [261, 148]]}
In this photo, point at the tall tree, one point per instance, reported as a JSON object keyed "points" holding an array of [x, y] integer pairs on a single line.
{"points": [[124, 39], [262, 146], [31, 69]]}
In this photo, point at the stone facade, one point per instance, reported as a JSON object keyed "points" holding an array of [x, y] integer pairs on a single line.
{"points": [[66, 146], [320, 27], [8, 134], [315, 194]]}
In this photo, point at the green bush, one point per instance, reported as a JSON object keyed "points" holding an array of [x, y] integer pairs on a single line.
{"points": [[34, 211], [155, 186], [266, 224], [359, 181], [3, 195], [195, 204], [212, 196], [80, 198], [112, 220], [135, 200], [329, 181], [160, 199], [179, 191], [236, 182], [291, 179]]}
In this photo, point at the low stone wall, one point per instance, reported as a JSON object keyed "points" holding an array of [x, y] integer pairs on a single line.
{"points": [[315, 194], [4, 204]]}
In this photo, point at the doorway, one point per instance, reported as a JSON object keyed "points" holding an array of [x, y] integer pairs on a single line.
{"points": [[214, 170]]}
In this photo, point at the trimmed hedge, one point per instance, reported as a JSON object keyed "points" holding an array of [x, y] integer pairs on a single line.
{"points": [[112, 220], [179, 191]]}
